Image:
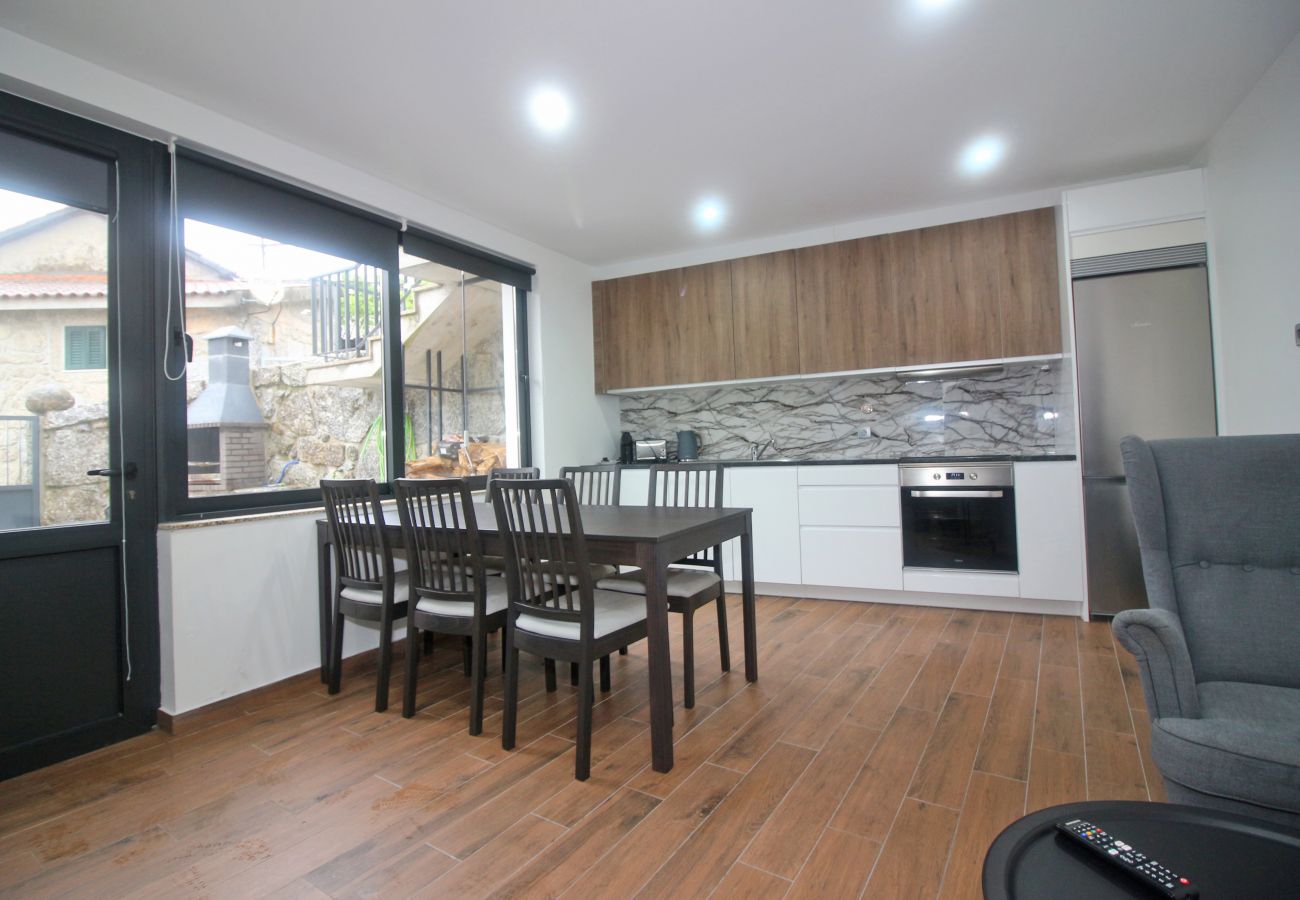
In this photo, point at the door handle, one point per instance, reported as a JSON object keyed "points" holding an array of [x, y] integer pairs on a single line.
{"points": [[128, 471]]}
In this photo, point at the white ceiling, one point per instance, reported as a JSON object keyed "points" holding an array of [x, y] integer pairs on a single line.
{"points": [[797, 114]]}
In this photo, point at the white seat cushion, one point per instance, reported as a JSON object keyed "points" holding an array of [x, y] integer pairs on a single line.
{"points": [[613, 611], [363, 595], [598, 571], [681, 582], [497, 598]]}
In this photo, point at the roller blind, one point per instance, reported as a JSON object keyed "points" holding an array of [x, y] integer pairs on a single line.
{"points": [[451, 253], [44, 170], [221, 194]]}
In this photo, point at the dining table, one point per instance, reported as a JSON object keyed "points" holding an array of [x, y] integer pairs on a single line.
{"points": [[647, 537]]}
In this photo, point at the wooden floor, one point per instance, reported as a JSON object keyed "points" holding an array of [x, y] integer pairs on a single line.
{"points": [[881, 750]]}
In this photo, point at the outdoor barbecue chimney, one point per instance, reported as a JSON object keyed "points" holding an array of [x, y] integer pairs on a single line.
{"points": [[227, 434]]}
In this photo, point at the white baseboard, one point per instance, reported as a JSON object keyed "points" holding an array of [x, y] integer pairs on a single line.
{"points": [[915, 598]]}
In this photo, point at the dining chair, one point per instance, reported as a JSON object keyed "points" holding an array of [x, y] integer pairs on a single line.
{"points": [[595, 485], [449, 591], [368, 582], [504, 474], [541, 526], [692, 582], [496, 565]]}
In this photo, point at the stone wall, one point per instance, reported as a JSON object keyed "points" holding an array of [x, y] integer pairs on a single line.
{"points": [[73, 441]]}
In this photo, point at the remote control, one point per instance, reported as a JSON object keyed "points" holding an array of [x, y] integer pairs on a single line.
{"points": [[1123, 856]]}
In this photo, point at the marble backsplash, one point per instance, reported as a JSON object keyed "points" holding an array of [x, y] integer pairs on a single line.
{"points": [[1025, 408]]}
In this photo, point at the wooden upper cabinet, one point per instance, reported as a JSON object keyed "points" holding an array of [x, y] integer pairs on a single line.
{"points": [[846, 311], [700, 345], [1030, 292], [671, 327], [765, 317], [635, 320], [949, 308], [977, 290], [599, 335]]}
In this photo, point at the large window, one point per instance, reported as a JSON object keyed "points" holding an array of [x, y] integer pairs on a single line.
{"points": [[460, 397], [286, 382], [324, 343]]}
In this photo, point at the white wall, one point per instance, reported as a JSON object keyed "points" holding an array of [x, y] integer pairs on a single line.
{"points": [[1253, 181], [237, 604]]}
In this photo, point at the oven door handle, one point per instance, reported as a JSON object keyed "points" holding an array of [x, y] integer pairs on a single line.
{"points": [[964, 495]]}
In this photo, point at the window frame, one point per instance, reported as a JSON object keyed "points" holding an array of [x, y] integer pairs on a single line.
{"points": [[176, 502]]}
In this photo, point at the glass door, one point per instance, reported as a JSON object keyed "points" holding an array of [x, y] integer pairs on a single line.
{"points": [[76, 547]]}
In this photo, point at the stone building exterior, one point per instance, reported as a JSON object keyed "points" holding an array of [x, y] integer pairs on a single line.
{"points": [[322, 417]]}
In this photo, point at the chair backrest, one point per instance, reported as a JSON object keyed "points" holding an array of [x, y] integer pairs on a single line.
{"points": [[503, 474], [443, 553], [361, 551], [689, 485], [1218, 523], [541, 526], [594, 485]]}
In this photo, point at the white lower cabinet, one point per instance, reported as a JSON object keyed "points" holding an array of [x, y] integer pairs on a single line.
{"points": [[773, 493], [633, 487], [848, 556], [1049, 530], [839, 527], [849, 534]]}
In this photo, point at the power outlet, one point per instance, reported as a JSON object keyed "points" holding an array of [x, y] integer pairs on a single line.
{"points": [[864, 431]]}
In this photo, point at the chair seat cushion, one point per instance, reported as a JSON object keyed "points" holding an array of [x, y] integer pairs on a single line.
{"points": [[681, 582], [497, 596], [1245, 746], [365, 595], [614, 611], [598, 571]]}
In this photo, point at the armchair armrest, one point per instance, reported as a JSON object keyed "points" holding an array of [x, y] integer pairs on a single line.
{"points": [[1155, 637]]}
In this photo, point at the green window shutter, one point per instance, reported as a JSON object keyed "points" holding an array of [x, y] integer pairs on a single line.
{"points": [[85, 347]]}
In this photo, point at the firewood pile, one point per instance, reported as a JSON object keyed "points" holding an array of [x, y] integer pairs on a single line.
{"points": [[468, 459]]}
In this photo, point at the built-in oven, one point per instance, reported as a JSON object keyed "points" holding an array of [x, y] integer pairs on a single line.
{"points": [[960, 516]]}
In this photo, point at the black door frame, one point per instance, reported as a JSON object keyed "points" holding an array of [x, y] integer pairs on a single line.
{"points": [[140, 175]]}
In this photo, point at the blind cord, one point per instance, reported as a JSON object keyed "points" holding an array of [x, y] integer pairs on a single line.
{"points": [[173, 269], [121, 430]]}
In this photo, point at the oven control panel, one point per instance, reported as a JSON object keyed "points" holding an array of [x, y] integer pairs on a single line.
{"points": [[983, 475]]}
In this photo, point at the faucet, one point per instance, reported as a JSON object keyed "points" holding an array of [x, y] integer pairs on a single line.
{"points": [[756, 451]]}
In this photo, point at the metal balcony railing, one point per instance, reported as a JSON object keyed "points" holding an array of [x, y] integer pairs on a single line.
{"points": [[347, 309]]}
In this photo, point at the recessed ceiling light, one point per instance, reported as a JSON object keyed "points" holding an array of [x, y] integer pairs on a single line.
{"points": [[709, 214], [982, 154], [934, 6], [550, 110]]}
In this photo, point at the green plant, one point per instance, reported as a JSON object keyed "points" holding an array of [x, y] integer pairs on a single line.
{"points": [[377, 439]]}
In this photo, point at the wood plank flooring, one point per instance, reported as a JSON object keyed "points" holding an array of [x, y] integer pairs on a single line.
{"points": [[877, 736]]}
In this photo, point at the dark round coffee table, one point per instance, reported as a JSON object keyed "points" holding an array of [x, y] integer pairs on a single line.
{"points": [[1225, 855]]}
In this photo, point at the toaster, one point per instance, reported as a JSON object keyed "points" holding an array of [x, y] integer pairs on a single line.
{"points": [[652, 450]]}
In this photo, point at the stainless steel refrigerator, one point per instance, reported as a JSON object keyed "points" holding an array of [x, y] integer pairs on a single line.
{"points": [[1145, 368]]}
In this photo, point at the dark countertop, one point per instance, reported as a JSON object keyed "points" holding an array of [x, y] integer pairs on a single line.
{"points": [[890, 461]]}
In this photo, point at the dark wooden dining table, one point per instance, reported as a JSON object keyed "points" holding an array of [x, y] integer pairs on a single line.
{"points": [[651, 538]]}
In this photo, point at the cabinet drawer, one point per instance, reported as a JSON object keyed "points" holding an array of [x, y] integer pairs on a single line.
{"points": [[849, 505], [863, 474], [852, 557]]}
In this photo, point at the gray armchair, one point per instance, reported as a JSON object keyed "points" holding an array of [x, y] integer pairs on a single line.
{"points": [[1218, 523]]}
